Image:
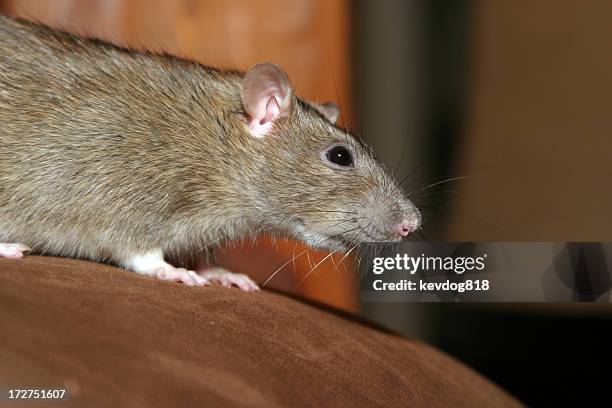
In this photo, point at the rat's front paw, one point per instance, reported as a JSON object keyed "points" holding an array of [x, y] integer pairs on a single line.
{"points": [[12, 250], [182, 275], [226, 278], [152, 264]]}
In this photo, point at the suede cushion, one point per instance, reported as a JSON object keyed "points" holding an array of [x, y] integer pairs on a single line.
{"points": [[119, 339]]}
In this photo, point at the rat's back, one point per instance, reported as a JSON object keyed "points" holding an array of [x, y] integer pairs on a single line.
{"points": [[91, 135]]}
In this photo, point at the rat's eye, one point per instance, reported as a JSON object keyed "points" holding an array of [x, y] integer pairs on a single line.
{"points": [[340, 156]]}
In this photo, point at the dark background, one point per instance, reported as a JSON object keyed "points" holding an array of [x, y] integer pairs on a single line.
{"points": [[514, 96]]}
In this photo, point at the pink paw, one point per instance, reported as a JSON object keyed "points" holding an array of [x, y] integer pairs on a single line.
{"points": [[182, 275], [12, 250], [228, 279]]}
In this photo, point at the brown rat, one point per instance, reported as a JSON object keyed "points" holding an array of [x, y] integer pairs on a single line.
{"points": [[125, 157]]}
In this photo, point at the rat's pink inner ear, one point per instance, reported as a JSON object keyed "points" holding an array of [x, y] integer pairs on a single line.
{"points": [[266, 96]]}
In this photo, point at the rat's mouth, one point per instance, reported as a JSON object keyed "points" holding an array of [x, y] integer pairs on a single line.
{"points": [[339, 244], [345, 236], [344, 241]]}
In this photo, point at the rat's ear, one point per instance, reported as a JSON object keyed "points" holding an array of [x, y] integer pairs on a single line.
{"points": [[330, 110], [266, 96]]}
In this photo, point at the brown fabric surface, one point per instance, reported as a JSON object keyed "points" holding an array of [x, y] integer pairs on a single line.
{"points": [[120, 339]]}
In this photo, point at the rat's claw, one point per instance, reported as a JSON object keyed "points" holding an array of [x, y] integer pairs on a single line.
{"points": [[189, 278], [227, 279], [12, 250], [200, 280]]}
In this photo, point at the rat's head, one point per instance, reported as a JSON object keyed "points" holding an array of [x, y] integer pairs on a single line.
{"points": [[329, 189]]}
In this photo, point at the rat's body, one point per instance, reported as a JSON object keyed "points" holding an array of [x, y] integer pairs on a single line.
{"points": [[113, 155]]}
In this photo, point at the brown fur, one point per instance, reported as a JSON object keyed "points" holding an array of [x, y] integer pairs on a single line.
{"points": [[105, 152]]}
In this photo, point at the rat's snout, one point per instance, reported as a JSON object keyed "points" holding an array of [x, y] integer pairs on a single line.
{"points": [[404, 228], [410, 221], [387, 217], [407, 225]]}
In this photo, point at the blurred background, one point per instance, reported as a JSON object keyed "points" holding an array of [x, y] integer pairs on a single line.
{"points": [[497, 113]]}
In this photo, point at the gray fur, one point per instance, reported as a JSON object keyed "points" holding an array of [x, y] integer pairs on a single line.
{"points": [[107, 152]]}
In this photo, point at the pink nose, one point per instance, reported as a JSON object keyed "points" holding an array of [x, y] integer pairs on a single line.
{"points": [[404, 228]]}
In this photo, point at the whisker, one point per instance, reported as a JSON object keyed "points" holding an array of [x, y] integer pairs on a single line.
{"points": [[354, 246], [445, 181], [300, 254], [293, 259], [346, 220], [313, 268], [325, 211], [308, 259], [283, 265]]}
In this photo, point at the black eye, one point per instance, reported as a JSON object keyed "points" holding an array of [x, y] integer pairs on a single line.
{"points": [[340, 156]]}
